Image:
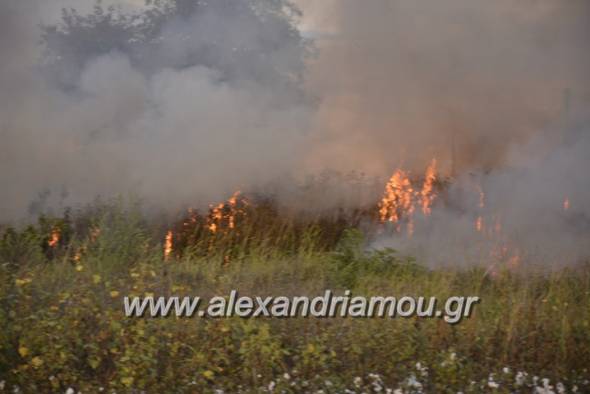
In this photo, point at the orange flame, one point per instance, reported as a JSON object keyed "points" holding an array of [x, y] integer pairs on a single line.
{"points": [[54, 237], [400, 199], [566, 204], [427, 192], [482, 197], [224, 213], [168, 245], [479, 224], [94, 234]]}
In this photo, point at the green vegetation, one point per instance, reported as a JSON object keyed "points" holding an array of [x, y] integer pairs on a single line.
{"points": [[62, 322]]}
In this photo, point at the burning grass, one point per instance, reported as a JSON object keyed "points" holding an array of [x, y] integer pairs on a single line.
{"points": [[61, 283]]}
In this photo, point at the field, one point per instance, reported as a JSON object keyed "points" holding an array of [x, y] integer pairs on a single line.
{"points": [[62, 281], [426, 151]]}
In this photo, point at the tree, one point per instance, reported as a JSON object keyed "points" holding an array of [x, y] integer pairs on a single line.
{"points": [[240, 39]]}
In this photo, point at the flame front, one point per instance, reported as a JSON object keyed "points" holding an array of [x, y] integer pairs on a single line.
{"points": [[397, 198], [481, 205], [479, 224], [168, 245], [54, 238], [427, 192], [225, 213], [400, 198]]}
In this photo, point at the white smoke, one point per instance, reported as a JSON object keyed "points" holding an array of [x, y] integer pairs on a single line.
{"points": [[479, 85]]}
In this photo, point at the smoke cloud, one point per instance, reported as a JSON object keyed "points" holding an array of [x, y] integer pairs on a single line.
{"points": [[190, 119], [400, 81], [496, 91]]}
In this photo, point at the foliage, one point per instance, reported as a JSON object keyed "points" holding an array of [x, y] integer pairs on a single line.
{"points": [[62, 324], [169, 35]]}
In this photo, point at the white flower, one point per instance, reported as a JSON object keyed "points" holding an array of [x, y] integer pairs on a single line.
{"points": [[506, 370], [70, 391], [286, 376], [546, 389], [560, 388], [398, 391], [2, 383], [375, 377], [413, 382], [492, 384], [358, 381], [328, 383], [271, 386], [520, 378], [423, 370]]}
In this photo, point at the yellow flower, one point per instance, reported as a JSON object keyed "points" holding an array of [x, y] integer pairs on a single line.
{"points": [[114, 293], [96, 279], [208, 374], [127, 381], [23, 351], [37, 362], [22, 282]]}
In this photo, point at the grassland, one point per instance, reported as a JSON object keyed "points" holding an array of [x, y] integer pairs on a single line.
{"points": [[63, 328]]}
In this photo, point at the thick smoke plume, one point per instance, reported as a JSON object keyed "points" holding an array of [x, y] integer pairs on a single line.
{"points": [[497, 91], [234, 96], [402, 81], [207, 103]]}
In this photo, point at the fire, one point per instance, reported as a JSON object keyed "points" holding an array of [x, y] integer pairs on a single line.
{"points": [[215, 217], [168, 245], [225, 213], [94, 234], [479, 224], [566, 204], [482, 197], [397, 198], [427, 192], [54, 237], [400, 198]]}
